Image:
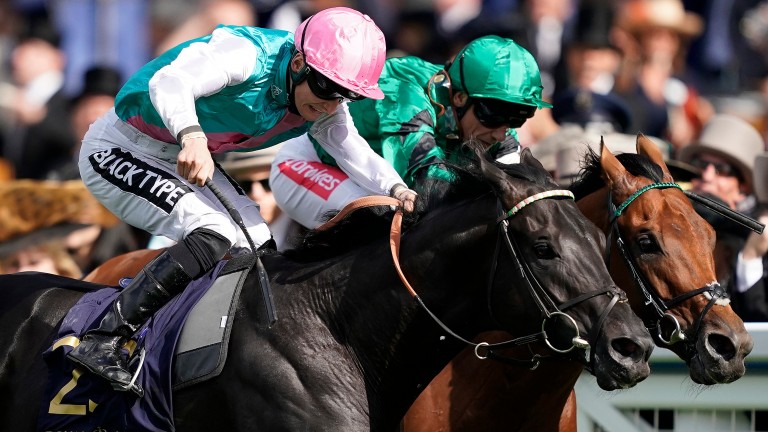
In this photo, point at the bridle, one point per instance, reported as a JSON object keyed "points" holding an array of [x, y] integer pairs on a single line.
{"points": [[551, 311], [655, 306]]}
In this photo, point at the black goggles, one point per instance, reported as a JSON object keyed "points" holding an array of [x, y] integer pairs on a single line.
{"points": [[721, 168], [326, 89], [246, 185], [494, 113]]}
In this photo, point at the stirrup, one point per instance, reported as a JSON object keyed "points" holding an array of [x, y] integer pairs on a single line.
{"points": [[132, 386]]}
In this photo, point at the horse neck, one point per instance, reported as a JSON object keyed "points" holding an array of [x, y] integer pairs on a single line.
{"points": [[486, 394], [539, 396], [446, 259]]}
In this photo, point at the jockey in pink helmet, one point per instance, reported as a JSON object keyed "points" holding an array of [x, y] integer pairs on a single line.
{"points": [[345, 46], [238, 89]]}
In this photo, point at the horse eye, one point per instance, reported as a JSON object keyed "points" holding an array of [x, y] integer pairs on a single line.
{"points": [[544, 250], [647, 244]]}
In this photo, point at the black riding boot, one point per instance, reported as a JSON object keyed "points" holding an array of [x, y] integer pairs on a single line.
{"points": [[99, 350]]}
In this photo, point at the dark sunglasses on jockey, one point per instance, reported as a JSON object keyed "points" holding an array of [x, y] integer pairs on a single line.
{"points": [[722, 168], [494, 113], [326, 89], [321, 86]]}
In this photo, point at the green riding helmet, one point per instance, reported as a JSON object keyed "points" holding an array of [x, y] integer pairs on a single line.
{"points": [[498, 68]]}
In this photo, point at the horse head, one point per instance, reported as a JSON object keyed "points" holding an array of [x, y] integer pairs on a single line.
{"points": [[662, 251], [553, 255]]}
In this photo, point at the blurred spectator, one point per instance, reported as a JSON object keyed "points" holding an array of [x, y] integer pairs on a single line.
{"points": [[114, 33], [654, 46], [595, 112], [100, 86], [41, 251], [8, 21], [546, 33], [540, 26], [251, 171], [751, 297], [731, 55], [591, 57], [726, 152], [419, 36], [174, 27], [590, 62], [42, 136], [94, 244], [37, 217], [584, 119]]}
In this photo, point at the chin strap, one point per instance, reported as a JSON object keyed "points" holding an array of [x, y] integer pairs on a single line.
{"points": [[295, 78]]}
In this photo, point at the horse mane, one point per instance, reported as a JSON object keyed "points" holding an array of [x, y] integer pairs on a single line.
{"points": [[590, 177], [370, 224]]}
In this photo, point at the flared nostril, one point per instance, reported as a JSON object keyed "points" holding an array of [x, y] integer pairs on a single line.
{"points": [[723, 346], [628, 348]]}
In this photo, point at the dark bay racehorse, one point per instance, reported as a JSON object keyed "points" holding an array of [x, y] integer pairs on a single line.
{"points": [[670, 250], [352, 349]]}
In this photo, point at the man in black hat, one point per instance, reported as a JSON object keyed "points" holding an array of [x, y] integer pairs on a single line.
{"points": [[93, 245], [591, 57], [100, 86], [42, 136]]}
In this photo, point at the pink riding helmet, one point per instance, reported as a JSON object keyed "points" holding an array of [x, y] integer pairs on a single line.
{"points": [[345, 46]]}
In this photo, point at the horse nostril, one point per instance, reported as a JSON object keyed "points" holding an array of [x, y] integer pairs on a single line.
{"points": [[628, 348], [722, 345]]}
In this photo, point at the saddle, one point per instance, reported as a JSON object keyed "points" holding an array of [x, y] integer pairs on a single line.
{"points": [[183, 344]]}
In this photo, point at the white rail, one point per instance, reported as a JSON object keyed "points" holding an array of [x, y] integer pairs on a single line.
{"points": [[669, 401]]}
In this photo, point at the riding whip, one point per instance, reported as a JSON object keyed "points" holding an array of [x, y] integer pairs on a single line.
{"points": [[266, 291], [739, 218]]}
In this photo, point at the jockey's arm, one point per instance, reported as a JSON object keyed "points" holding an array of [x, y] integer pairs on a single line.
{"points": [[337, 135], [201, 69]]}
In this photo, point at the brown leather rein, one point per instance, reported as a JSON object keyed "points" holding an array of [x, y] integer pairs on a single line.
{"points": [[483, 350]]}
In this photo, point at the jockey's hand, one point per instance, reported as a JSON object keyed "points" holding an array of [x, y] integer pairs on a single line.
{"points": [[194, 162], [406, 196]]}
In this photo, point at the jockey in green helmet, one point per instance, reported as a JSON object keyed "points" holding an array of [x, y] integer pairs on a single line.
{"points": [[499, 79]]}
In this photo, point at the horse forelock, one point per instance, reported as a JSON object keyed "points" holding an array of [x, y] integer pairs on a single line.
{"points": [[590, 177]]}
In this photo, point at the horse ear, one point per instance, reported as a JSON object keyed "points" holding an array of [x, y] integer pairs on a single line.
{"points": [[527, 157], [613, 170], [497, 177], [646, 147]]}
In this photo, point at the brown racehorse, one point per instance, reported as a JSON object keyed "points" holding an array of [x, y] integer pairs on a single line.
{"points": [[670, 247]]}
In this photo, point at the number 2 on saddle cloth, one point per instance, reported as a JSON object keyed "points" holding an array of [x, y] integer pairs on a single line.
{"points": [[78, 400]]}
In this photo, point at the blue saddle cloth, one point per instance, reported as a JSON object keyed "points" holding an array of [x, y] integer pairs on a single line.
{"points": [[76, 400]]}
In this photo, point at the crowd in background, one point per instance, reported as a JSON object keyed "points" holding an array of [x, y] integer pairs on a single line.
{"points": [[693, 75]]}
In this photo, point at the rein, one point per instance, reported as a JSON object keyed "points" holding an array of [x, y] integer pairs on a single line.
{"points": [[547, 306], [659, 308], [544, 302]]}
